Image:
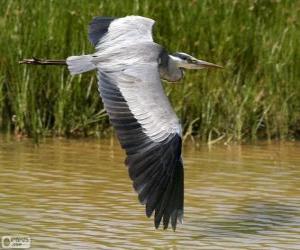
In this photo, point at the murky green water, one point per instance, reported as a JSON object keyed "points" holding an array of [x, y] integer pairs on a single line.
{"points": [[75, 194]]}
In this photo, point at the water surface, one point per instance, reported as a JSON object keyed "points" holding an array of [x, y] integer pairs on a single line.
{"points": [[75, 194]]}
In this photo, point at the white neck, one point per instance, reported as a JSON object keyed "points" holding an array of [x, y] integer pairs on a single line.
{"points": [[171, 71]]}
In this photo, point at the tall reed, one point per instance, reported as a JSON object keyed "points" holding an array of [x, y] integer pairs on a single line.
{"points": [[256, 96]]}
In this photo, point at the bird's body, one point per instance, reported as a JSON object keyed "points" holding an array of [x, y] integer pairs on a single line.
{"points": [[130, 66], [127, 61]]}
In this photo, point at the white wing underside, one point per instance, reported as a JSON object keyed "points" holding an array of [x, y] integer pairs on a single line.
{"points": [[128, 53]]}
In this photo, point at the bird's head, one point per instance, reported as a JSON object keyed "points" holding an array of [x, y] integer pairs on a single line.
{"points": [[186, 61]]}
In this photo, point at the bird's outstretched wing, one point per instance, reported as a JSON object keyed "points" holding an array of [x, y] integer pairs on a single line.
{"points": [[120, 30], [152, 144], [146, 125]]}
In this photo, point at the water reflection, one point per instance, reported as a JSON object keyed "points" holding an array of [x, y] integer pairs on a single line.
{"points": [[75, 194]]}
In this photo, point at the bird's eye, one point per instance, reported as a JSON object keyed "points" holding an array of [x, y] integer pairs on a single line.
{"points": [[189, 60]]}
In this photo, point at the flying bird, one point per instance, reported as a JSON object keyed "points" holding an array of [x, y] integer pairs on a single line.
{"points": [[130, 66]]}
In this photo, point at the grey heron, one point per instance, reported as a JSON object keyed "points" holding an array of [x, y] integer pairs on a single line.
{"points": [[130, 67]]}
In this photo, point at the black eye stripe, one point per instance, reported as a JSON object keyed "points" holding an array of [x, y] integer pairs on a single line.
{"points": [[185, 57], [180, 55]]}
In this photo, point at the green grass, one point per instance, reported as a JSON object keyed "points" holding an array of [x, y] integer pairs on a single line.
{"points": [[256, 96]]}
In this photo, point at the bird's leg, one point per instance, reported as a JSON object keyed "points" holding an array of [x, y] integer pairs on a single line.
{"points": [[37, 61]]}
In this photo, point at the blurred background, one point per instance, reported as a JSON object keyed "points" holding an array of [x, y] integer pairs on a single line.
{"points": [[256, 96]]}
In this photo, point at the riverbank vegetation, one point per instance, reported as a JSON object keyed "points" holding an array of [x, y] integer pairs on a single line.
{"points": [[256, 96]]}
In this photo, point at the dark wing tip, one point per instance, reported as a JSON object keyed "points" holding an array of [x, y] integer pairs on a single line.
{"points": [[172, 201], [98, 27], [157, 176]]}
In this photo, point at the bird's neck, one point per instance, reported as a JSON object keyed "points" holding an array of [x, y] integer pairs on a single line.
{"points": [[170, 70]]}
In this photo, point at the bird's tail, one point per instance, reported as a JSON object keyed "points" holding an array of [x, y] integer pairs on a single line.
{"points": [[80, 64]]}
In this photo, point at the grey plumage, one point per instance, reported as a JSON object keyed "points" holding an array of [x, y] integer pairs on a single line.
{"points": [[98, 27], [130, 66], [155, 167]]}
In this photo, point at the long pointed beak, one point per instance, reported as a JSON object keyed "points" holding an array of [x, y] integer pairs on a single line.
{"points": [[204, 64]]}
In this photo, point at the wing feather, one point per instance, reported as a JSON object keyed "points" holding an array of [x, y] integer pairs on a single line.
{"points": [[98, 28], [146, 125], [151, 164]]}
